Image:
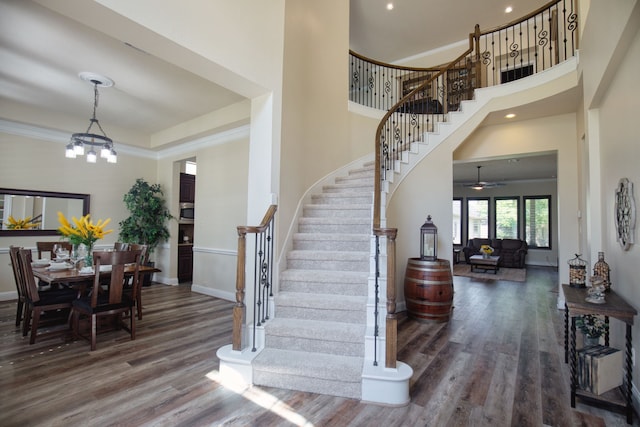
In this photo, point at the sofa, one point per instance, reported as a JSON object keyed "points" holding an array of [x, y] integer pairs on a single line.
{"points": [[512, 252]]}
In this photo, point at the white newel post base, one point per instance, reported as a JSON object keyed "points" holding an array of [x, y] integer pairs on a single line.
{"points": [[386, 386]]}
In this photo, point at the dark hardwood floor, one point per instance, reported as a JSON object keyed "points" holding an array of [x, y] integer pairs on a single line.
{"points": [[498, 362]]}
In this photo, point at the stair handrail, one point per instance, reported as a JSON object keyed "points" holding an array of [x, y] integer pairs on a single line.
{"points": [[263, 276], [382, 150], [391, 327]]}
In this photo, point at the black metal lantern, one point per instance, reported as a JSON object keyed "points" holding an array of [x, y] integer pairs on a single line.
{"points": [[428, 241]]}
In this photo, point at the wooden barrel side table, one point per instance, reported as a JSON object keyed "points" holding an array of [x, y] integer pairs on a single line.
{"points": [[428, 290]]}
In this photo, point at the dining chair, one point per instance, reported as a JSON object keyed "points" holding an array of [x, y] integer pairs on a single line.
{"points": [[120, 246], [48, 247], [17, 274], [54, 304], [128, 287], [112, 302]]}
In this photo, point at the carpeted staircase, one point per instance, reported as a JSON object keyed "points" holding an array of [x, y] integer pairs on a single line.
{"points": [[316, 341]]}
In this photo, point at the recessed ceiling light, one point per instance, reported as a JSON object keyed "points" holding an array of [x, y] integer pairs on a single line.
{"points": [[389, 6], [510, 116], [509, 9]]}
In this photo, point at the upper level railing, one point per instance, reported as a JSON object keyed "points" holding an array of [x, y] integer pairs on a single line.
{"points": [[262, 277], [415, 99]]}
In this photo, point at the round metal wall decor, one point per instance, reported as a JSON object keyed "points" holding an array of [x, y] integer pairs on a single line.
{"points": [[625, 213]]}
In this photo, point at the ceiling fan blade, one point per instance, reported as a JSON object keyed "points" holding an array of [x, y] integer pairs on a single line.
{"points": [[480, 185]]}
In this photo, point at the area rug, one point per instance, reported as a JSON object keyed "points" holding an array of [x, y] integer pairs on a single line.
{"points": [[511, 274]]}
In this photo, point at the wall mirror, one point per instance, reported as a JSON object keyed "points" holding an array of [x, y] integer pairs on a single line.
{"points": [[42, 207]]}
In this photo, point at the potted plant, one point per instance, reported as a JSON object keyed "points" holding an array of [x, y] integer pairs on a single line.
{"points": [[147, 223], [592, 326]]}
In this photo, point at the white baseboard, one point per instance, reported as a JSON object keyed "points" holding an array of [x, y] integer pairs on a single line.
{"points": [[229, 296], [8, 296]]}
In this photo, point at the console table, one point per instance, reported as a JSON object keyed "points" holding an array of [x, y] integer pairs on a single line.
{"points": [[616, 307]]}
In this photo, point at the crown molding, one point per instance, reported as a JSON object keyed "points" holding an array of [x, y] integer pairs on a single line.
{"points": [[45, 134], [206, 141]]}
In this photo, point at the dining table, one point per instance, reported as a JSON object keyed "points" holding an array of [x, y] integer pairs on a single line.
{"points": [[76, 276]]}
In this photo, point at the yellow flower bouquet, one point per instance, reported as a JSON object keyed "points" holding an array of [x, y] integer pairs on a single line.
{"points": [[486, 250], [82, 230], [23, 224]]}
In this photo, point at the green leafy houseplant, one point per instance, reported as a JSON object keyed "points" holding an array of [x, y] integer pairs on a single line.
{"points": [[591, 325], [148, 216]]}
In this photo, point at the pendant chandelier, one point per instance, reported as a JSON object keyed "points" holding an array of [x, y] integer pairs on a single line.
{"points": [[87, 139]]}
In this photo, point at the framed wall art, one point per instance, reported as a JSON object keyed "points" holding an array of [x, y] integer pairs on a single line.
{"points": [[625, 213]]}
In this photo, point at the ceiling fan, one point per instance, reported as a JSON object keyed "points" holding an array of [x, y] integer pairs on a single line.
{"points": [[480, 185]]}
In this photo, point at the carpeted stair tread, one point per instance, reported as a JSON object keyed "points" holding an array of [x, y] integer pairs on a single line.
{"points": [[336, 220], [323, 276], [336, 332], [332, 188], [342, 198], [332, 236], [325, 282], [321, 301], [328, 255]]}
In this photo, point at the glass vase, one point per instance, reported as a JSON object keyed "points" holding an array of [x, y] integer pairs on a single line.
{"points": [[602, 270], [83, 254], [88, 259]]}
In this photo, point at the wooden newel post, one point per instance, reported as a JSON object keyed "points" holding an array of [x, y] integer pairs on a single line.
{"points": [[392, 319], [239, 308]]}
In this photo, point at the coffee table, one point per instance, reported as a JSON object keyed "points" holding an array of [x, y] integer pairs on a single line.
{"points": [[482, 263]]}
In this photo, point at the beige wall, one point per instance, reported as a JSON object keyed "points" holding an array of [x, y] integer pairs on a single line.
{"points": [[221, 188], [362, 134], [617, 139], [33, 164], [315, 126]]}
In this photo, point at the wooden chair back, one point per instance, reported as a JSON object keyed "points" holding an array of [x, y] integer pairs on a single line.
{"points": [[17, 270], [143, 249], [118, 261], [143, 261], [29, 281], [120, 246], [48, 247], [19, 279], [56, 302]]}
